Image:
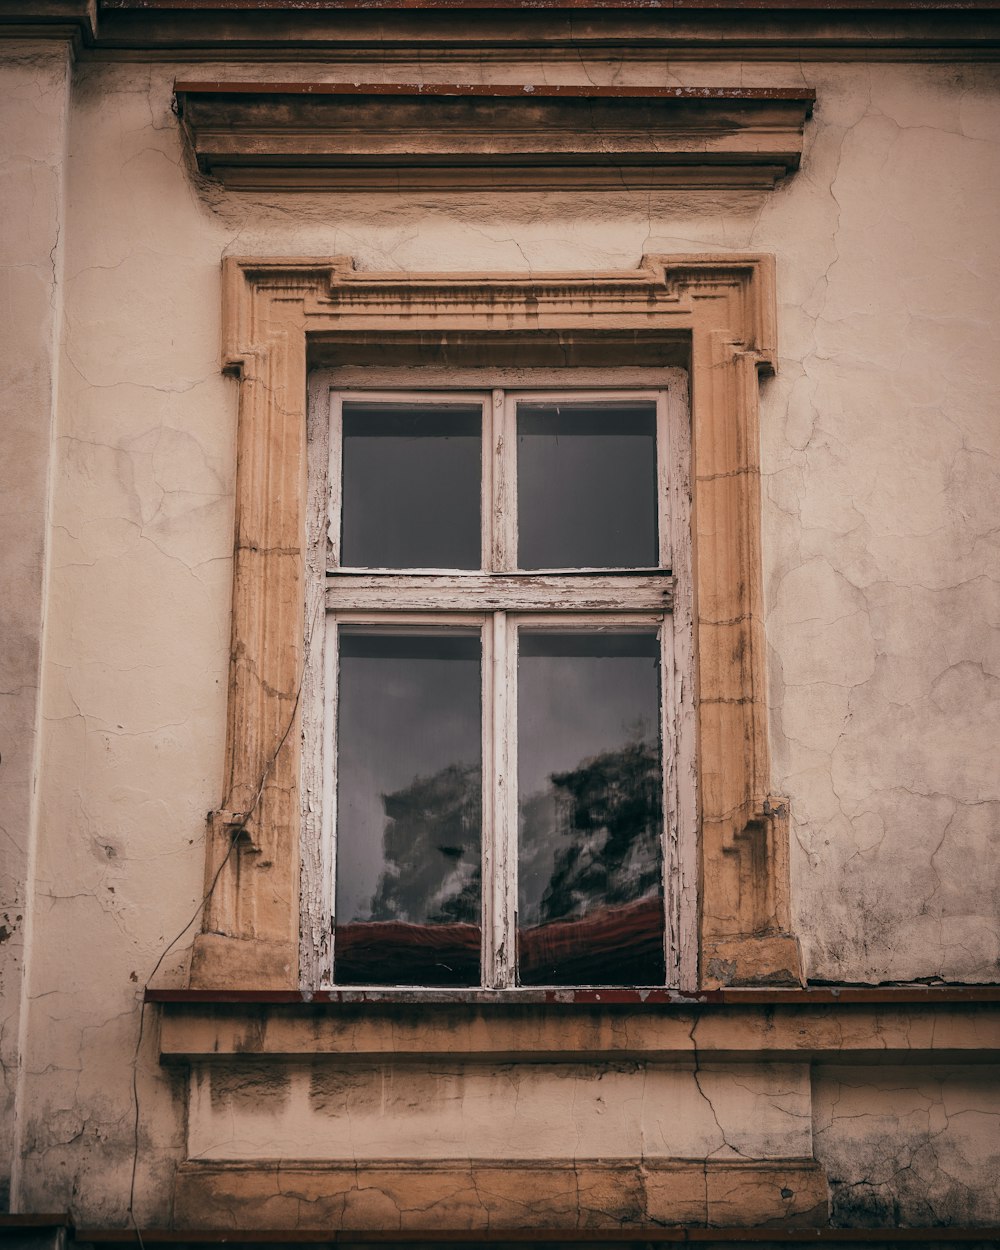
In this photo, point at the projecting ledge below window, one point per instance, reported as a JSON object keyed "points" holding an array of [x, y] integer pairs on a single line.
{"points": [[904, 1024]]}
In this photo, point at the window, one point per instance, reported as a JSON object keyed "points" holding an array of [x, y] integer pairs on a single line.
{"points": [[498, 734], [266, 923]]}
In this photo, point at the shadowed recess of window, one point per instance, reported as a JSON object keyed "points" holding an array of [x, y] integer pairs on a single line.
{"points": [[411, 486], [409, 803], [586, 485], [590, 864]]}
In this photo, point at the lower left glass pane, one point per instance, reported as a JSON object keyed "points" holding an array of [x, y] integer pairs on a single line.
{"points": [[409, 808]]}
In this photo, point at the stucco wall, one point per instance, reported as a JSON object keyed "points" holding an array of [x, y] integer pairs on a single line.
{"points": [[915, 1145], [34, 109], [880, 451]]}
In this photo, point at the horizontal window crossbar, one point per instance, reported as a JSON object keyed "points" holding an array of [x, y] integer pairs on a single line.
{"points": [[517, 592]]}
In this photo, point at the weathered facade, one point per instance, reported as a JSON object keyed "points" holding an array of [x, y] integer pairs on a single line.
{"points": [[779, 220]]}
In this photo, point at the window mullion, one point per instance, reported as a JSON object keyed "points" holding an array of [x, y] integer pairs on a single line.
{"points": [[501, 910], [492, 872], [504, 518]]}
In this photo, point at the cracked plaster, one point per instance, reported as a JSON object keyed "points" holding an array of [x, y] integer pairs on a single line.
{"points": [[500, 1111], [474, 1194], [34, 84], [914, 1146], [880, 450]]}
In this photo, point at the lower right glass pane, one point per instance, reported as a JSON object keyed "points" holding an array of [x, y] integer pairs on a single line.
{"points": [[590, 785]]}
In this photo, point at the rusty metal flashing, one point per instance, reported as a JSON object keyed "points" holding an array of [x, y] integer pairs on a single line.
{"points": [[188, 1239], [804, 95], [812, 6], [848, 995]]}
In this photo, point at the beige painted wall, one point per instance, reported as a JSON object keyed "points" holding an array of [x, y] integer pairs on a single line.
{"points": [[363, 1113], [915, 1145], [880, 450], [34, 111]]}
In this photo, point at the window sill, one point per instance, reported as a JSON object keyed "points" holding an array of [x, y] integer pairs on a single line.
{"points": [[957, 1024]]}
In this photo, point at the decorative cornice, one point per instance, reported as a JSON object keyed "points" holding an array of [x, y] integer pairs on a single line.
{"points": [[74, 21], [397, 136], [419, 33]]}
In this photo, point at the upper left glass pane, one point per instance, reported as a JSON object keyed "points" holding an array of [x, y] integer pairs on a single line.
{"points": [[412, 475]]}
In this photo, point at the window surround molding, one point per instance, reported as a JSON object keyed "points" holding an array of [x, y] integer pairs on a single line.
{"points": [[280, 316]]}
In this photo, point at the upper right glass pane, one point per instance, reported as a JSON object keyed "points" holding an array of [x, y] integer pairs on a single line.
{"points": [[586, 484]]}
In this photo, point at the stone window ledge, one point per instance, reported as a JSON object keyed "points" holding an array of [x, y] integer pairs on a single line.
{"points": [[850, 1025]]}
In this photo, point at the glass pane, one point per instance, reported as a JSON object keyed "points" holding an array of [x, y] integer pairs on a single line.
{"points": [[586, 485], [409, 803], [412, 482], [590, 871]]}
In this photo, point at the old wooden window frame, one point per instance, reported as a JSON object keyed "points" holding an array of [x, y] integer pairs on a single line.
{"points": [[499, 599], [719, 312]]}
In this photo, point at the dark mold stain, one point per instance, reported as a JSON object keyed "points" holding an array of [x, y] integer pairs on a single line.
{"points": [[257, 1086]]}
